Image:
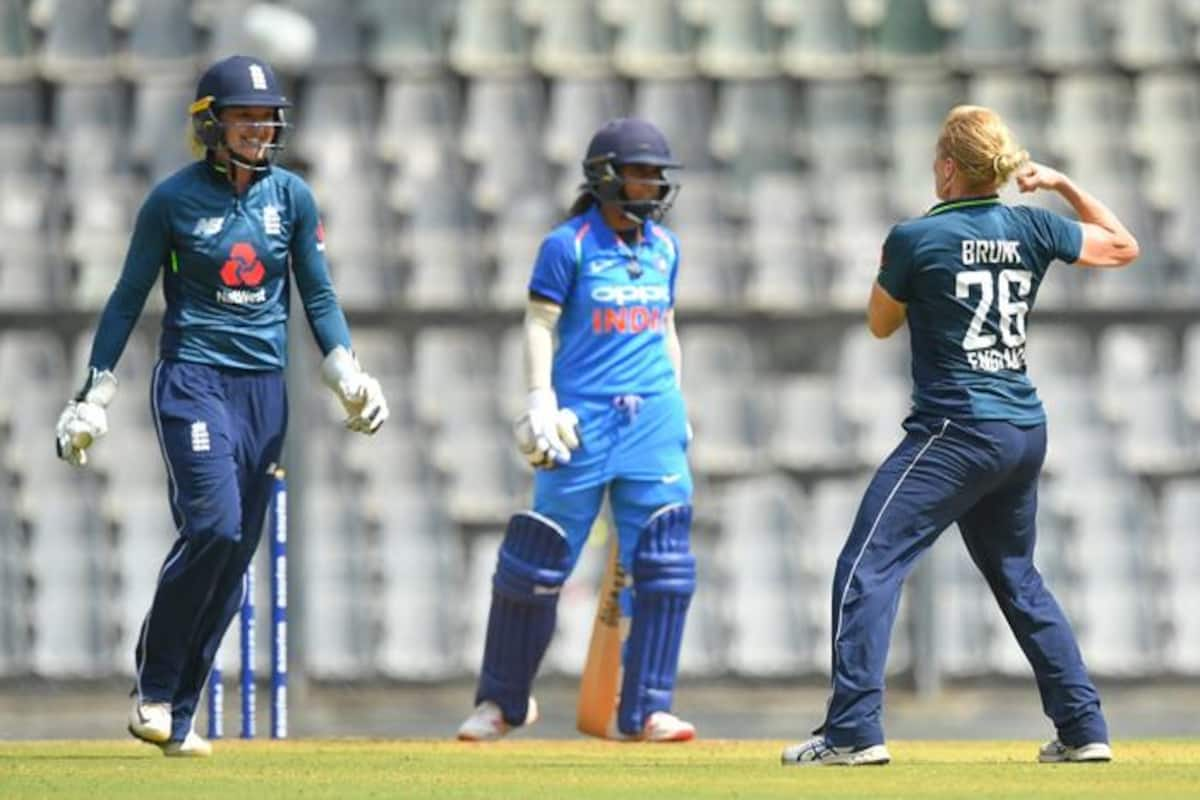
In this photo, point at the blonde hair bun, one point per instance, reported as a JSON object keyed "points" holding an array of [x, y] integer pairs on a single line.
{"points": [[982, 146]]}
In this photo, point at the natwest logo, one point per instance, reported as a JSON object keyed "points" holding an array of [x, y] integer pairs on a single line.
{"points": [[243, 268], [625, 295]]}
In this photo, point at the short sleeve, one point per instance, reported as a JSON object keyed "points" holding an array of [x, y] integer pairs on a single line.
{"points": [[896, 265], [554, 270], [1055, 236]]}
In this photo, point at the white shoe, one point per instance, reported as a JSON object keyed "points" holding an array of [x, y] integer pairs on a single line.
{"points": [[486, 723], [661, 726], [1056, 752], [150, 722], [192, 746], [817, 752]]}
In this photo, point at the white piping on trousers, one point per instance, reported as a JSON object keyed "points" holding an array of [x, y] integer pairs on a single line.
{"points": [[850, 577]]}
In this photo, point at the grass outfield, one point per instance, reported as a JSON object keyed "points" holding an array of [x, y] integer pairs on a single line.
{"points": [[581, 770]]}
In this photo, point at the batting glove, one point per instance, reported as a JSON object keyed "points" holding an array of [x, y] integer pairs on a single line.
{"points": [[546, 434], [84, 420], [360, 394]]}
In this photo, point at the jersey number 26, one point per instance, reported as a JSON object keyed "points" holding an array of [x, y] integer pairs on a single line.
{"points": [[1011, 288]]}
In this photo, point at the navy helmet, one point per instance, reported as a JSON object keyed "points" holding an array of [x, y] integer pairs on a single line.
{"points": [[238, 81], [628, 140]]}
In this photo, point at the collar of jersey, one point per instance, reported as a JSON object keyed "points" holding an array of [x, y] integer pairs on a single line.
{"points": [[219, 173], [609, 237], [963, 202]]}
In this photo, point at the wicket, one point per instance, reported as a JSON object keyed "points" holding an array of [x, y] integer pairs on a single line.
{"points": [[277, 524]]}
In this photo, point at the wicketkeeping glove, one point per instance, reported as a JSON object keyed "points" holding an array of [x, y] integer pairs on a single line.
{"points": [[84, 420], [546, 434], [360, 394]]}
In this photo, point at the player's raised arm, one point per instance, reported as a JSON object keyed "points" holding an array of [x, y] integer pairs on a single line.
{"points": [[1106, 240]]}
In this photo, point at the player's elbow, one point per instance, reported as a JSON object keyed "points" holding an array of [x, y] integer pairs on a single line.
{"points": [[881, 328], [1126, 250]]}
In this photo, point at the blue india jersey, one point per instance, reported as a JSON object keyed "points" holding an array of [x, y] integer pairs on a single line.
{"points": [[614, 299], [969, 271], [226, 261]]}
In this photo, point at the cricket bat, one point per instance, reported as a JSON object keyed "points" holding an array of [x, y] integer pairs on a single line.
{"points": [[601, 677]]}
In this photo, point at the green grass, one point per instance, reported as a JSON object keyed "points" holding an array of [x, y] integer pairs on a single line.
{"points": [[581, 770]]}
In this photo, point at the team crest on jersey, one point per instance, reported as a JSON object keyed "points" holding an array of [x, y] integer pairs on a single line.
{"points": [[272, 223], [208, 226], [242, 275]]}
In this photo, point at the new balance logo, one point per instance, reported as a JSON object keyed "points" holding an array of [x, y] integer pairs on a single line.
{"points": [[200, 441], [208, 226]]}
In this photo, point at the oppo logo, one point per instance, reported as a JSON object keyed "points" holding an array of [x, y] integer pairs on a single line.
{"points": [[627, 295]]}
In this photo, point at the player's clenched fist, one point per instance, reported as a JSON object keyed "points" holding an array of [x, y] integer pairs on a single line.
{"points": [[360, 394], [546, 434], [84, 420], [1034, 176]]}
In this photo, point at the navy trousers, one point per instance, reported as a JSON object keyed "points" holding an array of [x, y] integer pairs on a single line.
{"points": [[221, 431], [982, 475]]}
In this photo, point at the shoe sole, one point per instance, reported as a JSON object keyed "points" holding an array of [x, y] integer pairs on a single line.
{"points": [[156, 739]]}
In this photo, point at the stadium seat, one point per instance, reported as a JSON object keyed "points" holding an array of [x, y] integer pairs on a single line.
{"points": [[20, 124], [1068, 35], [501, 118], [339, 46], [752, 132], [145, 532], [336, 581], [162, 40], [1190, 372], [707, 252], [1157, 440], [769, 634], [736, 41], [418, 616], [446, 361], [653, 40], [89, 128], [78, 45], [808, 435], [843, 124], [577, 109], [572, 42], [907, 38], [989, 36], [1181, 559], [1089, 107], [682, 110], [489, 40], [159, 139], [417, 117], [64, 553], [819, 39], [1126, 355], [16, 42], [1150, 35], [483, 476], [406, 37], [788, 269]]}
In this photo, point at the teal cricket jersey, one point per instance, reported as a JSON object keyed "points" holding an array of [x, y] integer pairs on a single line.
{"points": [[969, 271], [225, 263], [614, 298]]}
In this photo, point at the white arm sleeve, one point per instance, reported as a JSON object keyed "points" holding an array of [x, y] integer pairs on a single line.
{"points": [[541, 318], [674, 351]]}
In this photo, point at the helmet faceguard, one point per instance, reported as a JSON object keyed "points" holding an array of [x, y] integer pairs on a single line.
{"points": [[246, 82], [629, 141]]}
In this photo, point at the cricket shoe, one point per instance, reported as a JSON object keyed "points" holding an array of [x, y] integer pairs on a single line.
{"points": [[486, 723], [817, 752], [1056, 752], [661, 726], [192, 746], [150, 722]]}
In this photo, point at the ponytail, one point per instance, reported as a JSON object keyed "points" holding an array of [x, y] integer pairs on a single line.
{"points": [[982, 146], [582, 204]]}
